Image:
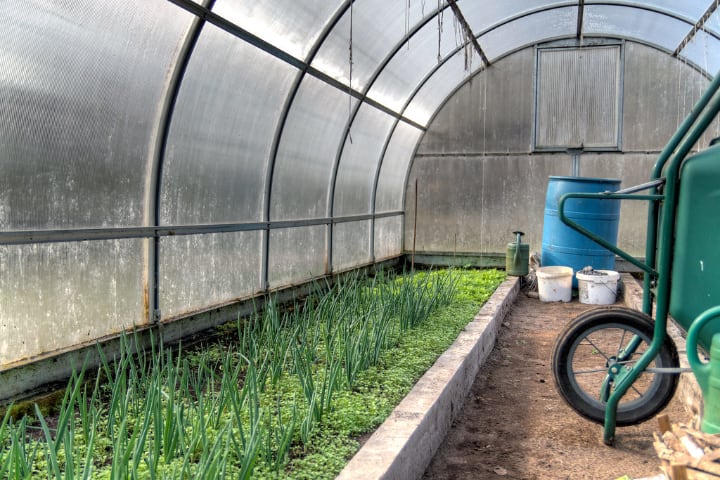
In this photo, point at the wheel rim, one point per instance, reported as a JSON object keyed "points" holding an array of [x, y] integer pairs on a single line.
{"points": [[592, 353]]}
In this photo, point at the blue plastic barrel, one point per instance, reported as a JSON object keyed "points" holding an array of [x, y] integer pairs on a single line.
{"points": [[561, 245]]}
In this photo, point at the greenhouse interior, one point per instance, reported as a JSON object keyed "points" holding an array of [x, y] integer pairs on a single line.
{"points": [[173, 166]]}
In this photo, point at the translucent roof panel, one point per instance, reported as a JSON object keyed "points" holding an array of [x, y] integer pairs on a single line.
{"points": [[690, 10], [373, 36], [291, 25], [413, 61], [359, 162], [441, 84], [222, 132], [393, 172], [308, 148], [712, 24], [541, 26], [628, 22], [483, 15], [80, 86], [704, 51]]}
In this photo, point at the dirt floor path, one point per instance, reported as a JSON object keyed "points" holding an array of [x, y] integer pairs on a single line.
{"points": [[514, 424]]}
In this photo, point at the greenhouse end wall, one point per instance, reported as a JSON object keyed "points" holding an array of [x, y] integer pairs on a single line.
{"points": [[479, 177]]}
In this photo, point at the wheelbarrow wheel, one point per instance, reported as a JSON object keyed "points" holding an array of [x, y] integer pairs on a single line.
{"points": [[599, 338]]}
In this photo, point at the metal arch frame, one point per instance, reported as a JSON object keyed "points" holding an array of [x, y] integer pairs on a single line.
{"points": [[305, 67], [279, 129], [154, 183], [348, 125]]}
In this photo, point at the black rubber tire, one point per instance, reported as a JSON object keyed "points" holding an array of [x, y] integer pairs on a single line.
{"points": [[595, 327]]}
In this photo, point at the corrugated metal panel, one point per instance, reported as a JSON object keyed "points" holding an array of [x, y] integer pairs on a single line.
{"points": [[578, 93]]}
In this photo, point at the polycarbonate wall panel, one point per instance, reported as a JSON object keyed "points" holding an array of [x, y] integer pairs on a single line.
{"points": [[307, 151], [296, 255], [351, 245], [59, 295], [222, 132], [393, 172], [359, 162], [411, 63], [703, 51], [373, 35], [81, 86], [292, 25], [388, 237], [201, 271], [662, 30], [452, 73], [541, 26]]}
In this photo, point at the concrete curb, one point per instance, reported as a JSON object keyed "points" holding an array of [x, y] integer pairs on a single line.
{"points": [[403, 446]]}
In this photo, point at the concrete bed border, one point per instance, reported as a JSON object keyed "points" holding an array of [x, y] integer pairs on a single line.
{"points": [[403, 446]]}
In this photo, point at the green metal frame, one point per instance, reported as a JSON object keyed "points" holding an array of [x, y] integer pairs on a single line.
{"points": [[659, 245]]}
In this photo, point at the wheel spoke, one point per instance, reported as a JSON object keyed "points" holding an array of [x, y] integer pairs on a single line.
{"points": [[592, 344]]}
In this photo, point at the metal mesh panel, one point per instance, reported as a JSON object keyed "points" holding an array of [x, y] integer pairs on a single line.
{"points": [[578, 92], [202, 271], [58, 295]]}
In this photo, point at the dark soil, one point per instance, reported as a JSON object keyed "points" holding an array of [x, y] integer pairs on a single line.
{"points": [[515, 425]]}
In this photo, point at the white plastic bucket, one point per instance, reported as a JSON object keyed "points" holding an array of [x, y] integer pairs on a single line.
{"points": [[555, 284], [598, 289]]}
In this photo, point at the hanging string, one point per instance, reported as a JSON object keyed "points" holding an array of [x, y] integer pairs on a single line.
{"points": [[350, 62], [440, 27]]}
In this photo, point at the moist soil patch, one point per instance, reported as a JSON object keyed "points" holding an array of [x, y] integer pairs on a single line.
{"points": [[515, 425]]}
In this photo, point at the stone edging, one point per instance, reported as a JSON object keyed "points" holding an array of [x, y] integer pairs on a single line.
{"points": [[402, 447]]}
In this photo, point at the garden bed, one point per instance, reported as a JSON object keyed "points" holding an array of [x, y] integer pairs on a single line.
{"points": [[282, 394]]}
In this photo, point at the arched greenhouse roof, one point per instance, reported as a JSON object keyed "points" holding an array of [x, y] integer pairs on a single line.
{"points": [[166, 157]]}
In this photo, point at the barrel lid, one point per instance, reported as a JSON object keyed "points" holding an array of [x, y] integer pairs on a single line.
{"points": [[588, 179]]}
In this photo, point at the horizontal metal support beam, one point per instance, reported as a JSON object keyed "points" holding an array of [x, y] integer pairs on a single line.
{"points": [[119, 233]]}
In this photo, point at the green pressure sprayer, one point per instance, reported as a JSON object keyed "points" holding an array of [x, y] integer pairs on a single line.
{"points": [[517, 256], [707, 374]]}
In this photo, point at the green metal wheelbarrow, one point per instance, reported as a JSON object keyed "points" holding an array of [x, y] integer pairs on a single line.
{"points": [[617, 366]]}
